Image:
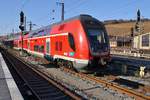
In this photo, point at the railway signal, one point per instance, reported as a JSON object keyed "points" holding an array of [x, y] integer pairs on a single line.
{"points": [[21, 17], [138, 15], [132, 32], [24, 33], [137, 27], [21, 26]]}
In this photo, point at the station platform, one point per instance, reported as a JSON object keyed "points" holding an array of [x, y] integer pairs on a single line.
{"points": [[8, 87]]}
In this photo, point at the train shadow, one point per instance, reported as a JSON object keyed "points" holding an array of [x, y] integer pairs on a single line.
{"points": [[49, 65], [112, 74], [112, 70], [129, 83]]}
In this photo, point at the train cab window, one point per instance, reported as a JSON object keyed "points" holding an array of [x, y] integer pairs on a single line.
{"points": [[71, 41]]}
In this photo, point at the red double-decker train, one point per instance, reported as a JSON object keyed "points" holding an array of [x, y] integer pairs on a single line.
{"points": [[78, 43]]}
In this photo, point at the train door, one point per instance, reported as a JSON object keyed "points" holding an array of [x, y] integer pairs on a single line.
{"points": [[48, 46]]}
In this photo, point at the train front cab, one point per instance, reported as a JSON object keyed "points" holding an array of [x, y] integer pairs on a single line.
{"points": [[92, 44], [98, 42]]}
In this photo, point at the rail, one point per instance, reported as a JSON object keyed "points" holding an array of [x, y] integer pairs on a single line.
{"points": [[41, 85], [132, 93]]}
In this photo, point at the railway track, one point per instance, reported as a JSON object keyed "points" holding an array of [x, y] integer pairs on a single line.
{"points": [[131, 61], [130, 92], [39, 85], [111, 85]]}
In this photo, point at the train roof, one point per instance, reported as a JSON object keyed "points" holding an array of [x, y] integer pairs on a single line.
{"points": [[80, 17], [44, 31]]}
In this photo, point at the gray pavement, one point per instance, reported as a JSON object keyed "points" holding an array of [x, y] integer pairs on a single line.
{"points": [[8, 87], [4, 92]]}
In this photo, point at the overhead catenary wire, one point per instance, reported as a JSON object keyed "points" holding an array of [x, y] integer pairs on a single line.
{"points": [[70, 9], [79, 3], [113, 13]]}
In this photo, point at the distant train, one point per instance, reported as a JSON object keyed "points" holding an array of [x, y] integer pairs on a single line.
{"points": [[77, 43]]}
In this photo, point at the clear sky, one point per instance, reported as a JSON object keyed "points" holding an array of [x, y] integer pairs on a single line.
{"points": [[40, 12]]}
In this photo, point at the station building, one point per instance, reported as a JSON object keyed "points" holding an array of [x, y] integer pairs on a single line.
{"points": [[142, 41], [125, 35]]}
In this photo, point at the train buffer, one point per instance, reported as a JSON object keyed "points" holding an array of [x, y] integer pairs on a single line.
{"points": [[8, 87]]}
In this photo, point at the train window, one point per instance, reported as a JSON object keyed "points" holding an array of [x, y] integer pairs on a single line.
{"points": [[60, 46], [36, 48], [41, 48], [71, 41], [35, 41], [47, 47], [56, 46], [28, 45]]}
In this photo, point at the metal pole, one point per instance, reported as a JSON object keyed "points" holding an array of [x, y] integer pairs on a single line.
{"points": [[62, 16], [25, 23], [13, 31], [139, 35], [30, 24], [62, 9], [22, 23], [22, 40]]}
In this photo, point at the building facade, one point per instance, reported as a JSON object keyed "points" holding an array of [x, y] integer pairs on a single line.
{"points": [[142, 41]]}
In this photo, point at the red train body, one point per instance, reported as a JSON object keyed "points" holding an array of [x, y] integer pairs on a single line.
{"points": [[77, 42]]}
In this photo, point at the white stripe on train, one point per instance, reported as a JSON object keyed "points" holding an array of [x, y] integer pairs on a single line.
{"points": [[53, 35], [83, 61]]}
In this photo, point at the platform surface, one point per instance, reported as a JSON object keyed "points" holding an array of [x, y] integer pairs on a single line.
{"points": [[8, 87]]}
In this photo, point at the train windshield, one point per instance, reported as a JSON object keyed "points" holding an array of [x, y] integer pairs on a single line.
{"points": [[97, 39], [97, 36]]}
